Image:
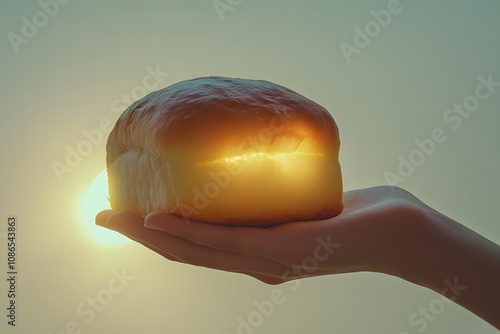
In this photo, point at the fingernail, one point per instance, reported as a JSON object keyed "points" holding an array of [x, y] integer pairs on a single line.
{"points": [[101, 218], [151, 218], [149, 223], [113, 222]]}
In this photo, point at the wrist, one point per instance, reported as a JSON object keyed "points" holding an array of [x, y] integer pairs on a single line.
{"points": [[454, 261], [420, 261]]}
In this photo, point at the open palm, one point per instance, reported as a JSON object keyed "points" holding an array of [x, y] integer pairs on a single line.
{"points": [[364, 237]]}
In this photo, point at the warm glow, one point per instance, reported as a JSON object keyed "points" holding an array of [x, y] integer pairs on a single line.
{"points": [[94, 201], [261, 156]]}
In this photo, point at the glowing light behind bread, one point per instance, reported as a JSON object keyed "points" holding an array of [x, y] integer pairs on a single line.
{"points": [[94, 201], [256, 157]]}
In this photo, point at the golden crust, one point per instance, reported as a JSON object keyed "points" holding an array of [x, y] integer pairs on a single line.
{"points": [[166, 148]]}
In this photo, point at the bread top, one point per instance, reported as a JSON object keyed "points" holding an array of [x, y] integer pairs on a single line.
{"points": [[200, 120]]}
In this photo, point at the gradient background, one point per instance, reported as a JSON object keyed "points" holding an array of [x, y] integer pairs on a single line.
{"points": [[396, 90]]}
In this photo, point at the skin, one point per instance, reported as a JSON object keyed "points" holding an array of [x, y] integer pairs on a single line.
{"points": [[382, 229]]}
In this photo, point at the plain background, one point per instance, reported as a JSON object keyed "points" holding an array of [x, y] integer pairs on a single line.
{"points": [[395, 90]]}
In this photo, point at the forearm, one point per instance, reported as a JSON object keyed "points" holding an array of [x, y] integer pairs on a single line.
{"points": [[457, 263]]}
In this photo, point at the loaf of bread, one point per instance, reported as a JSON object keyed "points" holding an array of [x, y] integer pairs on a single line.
{"points": [[227, 151]]}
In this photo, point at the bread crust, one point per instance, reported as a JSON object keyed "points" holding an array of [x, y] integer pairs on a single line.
{"points": [[272, 153]]}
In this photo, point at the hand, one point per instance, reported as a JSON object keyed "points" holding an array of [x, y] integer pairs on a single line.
{"points": [[375, 222], [381, 229]]}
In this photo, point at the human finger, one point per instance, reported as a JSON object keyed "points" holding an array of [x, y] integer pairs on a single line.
{"points": [[190, 252], [284, 243]]}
